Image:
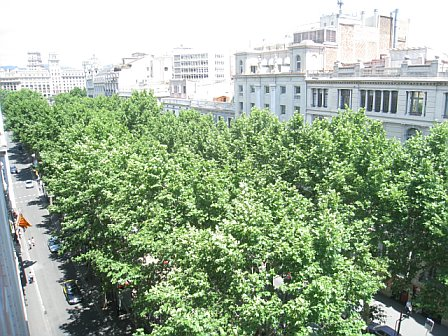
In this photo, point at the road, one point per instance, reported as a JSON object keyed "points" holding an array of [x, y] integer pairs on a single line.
{"points": [[412, 326], [48, 311]]}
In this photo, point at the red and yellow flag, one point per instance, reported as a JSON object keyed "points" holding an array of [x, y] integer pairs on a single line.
{"points": [[21, 221]]}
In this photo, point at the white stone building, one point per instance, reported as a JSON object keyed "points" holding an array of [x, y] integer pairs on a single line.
{"points": [[145, 72], [405, 88], [407, 99], [48, 79], [218, 110]]}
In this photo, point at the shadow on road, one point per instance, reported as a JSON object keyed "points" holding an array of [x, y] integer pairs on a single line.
{"points": [[85, 322], [28, 263]]}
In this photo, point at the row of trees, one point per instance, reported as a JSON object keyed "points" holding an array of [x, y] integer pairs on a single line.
{"points": [[260, 228]]}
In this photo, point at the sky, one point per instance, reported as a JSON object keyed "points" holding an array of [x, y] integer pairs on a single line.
{"points": [[112, 29]]}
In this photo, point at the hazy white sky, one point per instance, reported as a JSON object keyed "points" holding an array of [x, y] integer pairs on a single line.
{"points": [[113, 29]]}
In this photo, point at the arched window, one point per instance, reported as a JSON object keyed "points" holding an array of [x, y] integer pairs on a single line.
{"points": [[411, 132], [298, 63]]}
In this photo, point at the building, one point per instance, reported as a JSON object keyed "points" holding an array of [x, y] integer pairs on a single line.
{"points": [[194, 64], [330, 68], [219, 110], [48, 79], [64, 80], [184, 79], [13, 319], [104, 82], [405, 99], [145, 72]]}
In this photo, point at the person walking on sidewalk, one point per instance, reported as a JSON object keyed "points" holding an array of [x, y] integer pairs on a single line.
{"points": [[29, 244], [33, 242], [408, 307]]}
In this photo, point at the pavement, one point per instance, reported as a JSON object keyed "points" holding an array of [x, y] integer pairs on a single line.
{"points": [[412, 326]]}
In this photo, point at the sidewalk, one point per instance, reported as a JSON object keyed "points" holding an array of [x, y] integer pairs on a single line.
{"points": [[412, 326]]}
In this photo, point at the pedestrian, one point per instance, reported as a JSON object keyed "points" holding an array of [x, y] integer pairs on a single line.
{"points": [[32, 241], [31, 278], [29, 244], [408, 307]]}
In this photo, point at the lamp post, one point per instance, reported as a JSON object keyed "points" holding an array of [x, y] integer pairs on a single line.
{"points": [[402, 317]]}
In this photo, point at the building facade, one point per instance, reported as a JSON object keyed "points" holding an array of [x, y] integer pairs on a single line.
{"points": [[218, 110], [204, 64], [316, 75], [48, 79], [145, 72], [13, 319], [408, 99]]}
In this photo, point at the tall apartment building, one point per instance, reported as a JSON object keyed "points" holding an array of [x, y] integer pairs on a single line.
{"points": [[347, 61], [48, 79], [203, 64]]}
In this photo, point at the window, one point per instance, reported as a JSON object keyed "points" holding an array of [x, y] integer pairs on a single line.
{"points": [[345, 99], [362, 103], [320, 97], [377, 101], [266, 106], [266, 89], [282, 109], [252, 105], [416, 101], [240, 90], [241, 106], [296, 91], [370, 97], [297, 109], [241, 67], [229, 122], [386, 99], [282, 89], [445, 110], [253, 69], [298, 63], [252, 89], [394, 102]]}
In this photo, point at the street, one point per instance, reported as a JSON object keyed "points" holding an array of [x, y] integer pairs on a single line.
{"points": [[412, 326], [48, 311]]}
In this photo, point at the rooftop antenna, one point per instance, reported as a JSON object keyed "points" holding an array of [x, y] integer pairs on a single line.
{"points": [[340, 3]]}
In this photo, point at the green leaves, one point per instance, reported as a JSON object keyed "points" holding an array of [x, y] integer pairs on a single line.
{"points": [[199, 218]]}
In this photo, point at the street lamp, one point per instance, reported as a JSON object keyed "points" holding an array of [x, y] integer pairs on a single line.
{"points": [[402, 317]]}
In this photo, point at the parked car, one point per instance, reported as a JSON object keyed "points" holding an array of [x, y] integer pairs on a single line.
{"points": [[14, 170], [53, 244], [381, 330], [71, 291], [29, 184]]}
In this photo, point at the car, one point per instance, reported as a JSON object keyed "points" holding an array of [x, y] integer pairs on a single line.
{"points": [[72, 292], [14, 170], [381, 330], [53, 244], [29, 184]]}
